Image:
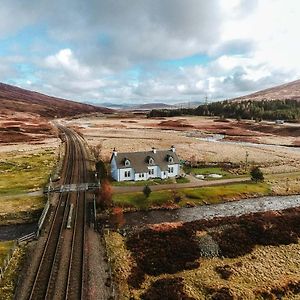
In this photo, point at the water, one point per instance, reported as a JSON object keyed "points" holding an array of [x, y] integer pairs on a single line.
{"points": [[218, 138], [12, 232], [228, 209]]}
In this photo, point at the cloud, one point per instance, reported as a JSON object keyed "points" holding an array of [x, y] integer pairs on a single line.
{"points": [[65, 60], [90, 50]]}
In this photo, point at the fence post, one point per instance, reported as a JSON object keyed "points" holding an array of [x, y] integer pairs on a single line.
{"points": [[95, 212]]}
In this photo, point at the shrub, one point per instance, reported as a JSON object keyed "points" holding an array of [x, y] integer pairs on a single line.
{"points": [[257, 174], [167, 289], [147, 191]]}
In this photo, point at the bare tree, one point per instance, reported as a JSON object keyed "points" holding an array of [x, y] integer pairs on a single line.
{"points": [[104, 197], [97, 151]]}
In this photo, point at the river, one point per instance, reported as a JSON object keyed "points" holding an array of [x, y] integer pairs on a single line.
{"points": [[12, 232], [228, 209]]}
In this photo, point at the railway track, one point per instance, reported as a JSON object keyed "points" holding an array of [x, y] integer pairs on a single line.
{"points": [[61, 270]]}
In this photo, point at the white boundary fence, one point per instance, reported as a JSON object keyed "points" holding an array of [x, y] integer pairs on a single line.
{"points": [[43, 217], [7, 260]]}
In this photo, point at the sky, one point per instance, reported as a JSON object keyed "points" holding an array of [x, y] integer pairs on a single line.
{"points": [[141, 51]]}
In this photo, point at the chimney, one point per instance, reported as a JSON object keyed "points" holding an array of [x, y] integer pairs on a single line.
{"points": [[173, 148], [154, 150], [115, 153]]}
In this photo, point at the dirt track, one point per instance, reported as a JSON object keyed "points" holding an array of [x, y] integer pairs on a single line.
{"points": [[172, 186]]}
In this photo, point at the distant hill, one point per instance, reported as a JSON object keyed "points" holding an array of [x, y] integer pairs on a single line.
{"points": [[278, 103], [14, 99], [287, 91], [149, 106]]}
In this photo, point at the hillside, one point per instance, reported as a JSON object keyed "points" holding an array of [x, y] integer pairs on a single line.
{"points": [[280, 102], [14, 99], [287, 91], [25, 115]]}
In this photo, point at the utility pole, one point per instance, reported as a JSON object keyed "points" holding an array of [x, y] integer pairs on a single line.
{"points": [[246, 160]]}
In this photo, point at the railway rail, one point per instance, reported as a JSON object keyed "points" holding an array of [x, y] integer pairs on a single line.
{"points": [[62, 262]]}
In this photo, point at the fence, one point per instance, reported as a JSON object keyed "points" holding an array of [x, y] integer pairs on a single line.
{"points": [[7, 260], [43, 217]]}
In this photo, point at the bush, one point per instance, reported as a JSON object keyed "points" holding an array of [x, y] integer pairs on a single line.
{"points": [[147, 191], [257, 174], [168, 289]]}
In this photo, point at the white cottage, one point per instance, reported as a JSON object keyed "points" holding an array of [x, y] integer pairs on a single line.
{"points": [[144, 165]]}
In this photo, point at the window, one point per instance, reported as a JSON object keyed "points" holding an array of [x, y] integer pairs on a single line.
{"points": [[151, 161], [127, 174], [170, 169], [151, 171], [127, 163]]}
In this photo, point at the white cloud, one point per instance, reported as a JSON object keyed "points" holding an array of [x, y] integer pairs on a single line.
{"points": [[250, 45], [66, 61]]}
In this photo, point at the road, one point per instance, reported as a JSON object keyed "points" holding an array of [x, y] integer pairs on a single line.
{"points": [[172, 186]]}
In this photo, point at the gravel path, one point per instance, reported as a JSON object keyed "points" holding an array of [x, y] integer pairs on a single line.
{"points": [[228, 209], [198, 183], [97, 267]]}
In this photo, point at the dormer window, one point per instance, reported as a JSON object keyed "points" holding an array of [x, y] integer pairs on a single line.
{"points": [[170, 159], [127, 163], [151, 161]]}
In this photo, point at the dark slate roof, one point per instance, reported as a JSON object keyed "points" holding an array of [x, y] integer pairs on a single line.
{"points": [[139, 160]]}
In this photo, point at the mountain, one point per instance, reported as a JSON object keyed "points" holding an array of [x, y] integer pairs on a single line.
{"points": [[287, 91], [149, 106], [14, 99]]}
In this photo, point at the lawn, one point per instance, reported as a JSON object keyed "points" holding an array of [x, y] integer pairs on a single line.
{"points": [[139, 201], [25, 173], [193, 196], [18, 176], [182, 180]]}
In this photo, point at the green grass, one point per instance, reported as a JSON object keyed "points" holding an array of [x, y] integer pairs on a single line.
{"points": [[182, 180], [25, 173], [20, 209], [138, 199], [194, 196], [223, 193], [155, 181]]}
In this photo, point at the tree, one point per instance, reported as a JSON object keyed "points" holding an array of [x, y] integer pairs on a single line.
{"points": [[104, 199], [257, 174], [147, 191], [97, 151]]}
